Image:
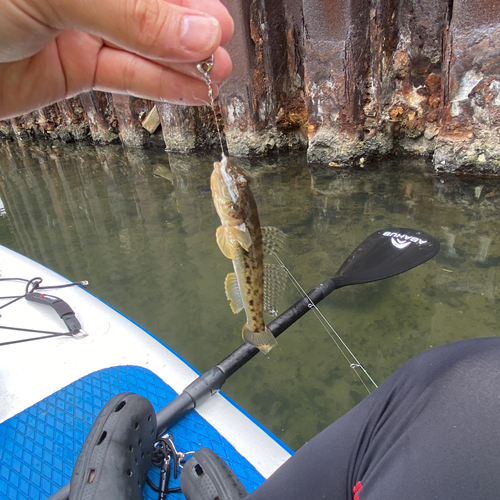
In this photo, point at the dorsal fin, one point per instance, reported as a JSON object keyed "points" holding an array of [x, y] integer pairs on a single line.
{"points": [[272, 239]]}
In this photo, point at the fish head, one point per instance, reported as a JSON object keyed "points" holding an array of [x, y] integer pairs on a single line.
{"points": [[229, 186]]}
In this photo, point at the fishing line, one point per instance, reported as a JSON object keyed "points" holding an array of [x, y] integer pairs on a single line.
{"points": [[337, 339], [205, 68]]}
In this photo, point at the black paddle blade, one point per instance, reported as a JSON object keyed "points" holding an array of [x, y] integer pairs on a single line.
{"points": [[386, 253]]}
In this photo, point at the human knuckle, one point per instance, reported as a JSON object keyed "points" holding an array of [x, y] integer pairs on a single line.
{"points": [[167, 85], [129, 74], [147, 21]]}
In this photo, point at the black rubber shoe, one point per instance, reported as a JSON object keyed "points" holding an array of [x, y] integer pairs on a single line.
{"points": [[116, 455], [205, 476]]}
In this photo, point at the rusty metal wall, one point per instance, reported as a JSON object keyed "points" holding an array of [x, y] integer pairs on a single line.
{"points": [[350, 80]]}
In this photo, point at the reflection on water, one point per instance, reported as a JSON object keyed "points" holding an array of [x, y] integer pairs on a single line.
{"points": [[140, 226]]}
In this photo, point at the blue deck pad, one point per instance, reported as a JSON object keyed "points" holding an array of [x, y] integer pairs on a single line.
{"points": [[39, 446]]}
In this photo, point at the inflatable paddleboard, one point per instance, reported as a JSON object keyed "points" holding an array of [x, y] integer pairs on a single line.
{"points": [[64, 354]]}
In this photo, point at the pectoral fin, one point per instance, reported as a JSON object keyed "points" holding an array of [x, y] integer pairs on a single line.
{"points": [[242, 235], [233, 293], [225, 242], [228, 236], [272, 239]]}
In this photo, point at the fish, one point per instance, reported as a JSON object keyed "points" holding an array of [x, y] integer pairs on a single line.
{"points": [[241, 239]]}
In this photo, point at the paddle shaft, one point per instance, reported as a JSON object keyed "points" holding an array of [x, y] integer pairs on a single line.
{"points": [[245, 352]]}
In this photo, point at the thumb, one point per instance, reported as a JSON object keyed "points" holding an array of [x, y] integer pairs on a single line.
{"points": [[156, 29]]}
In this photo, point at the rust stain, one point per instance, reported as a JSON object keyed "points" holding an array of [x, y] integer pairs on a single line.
{"points": [[290, 53], [293, 114], [260, 85], [401, 64]]}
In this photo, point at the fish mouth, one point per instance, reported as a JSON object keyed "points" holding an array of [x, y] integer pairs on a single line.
{"points": [[226, 183], [219, 168], [217, 181]]}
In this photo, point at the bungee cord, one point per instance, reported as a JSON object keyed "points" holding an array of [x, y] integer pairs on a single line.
{"points": [[32, 285]]}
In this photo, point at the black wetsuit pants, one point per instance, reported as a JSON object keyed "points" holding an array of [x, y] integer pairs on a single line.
{"points": [[430, 431]]}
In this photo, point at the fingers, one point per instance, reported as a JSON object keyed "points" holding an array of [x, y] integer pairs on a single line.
{"points": [[125, 73], [53, 49], [220, 71], [215, 9], [89, 64], [170, 31], [21, 35], [31, 83], [76, 62]]}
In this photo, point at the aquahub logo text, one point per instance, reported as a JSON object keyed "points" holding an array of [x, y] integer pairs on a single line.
{"points": [[401, 241]]}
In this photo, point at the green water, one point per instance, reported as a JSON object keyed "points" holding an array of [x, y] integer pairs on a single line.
{"points": [[140, 226]]}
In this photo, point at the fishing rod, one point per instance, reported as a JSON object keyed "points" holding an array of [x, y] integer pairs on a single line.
{"points": [[381, 255]]}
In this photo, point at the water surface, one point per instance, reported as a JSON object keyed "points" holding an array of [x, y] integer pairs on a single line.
{"points": [[140, 226]]}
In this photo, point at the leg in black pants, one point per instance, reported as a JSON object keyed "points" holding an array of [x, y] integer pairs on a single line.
{"points": [[430, 431]]}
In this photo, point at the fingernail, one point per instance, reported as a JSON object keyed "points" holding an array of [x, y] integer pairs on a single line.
{"points": [[199, 33]]}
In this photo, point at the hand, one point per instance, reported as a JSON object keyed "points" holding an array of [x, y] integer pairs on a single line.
{"points": [[54, 49]]}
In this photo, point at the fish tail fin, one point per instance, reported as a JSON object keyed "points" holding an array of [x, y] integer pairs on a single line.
{"points": [[265, 340]]}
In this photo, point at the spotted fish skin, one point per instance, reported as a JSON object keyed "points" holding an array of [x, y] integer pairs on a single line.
{"points": [[240, 239]]}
